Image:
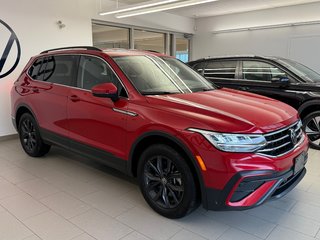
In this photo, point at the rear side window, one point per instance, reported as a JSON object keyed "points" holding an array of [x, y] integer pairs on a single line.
{"points": [[261, 71], [34, 69], [220, 69], [55, 69]]}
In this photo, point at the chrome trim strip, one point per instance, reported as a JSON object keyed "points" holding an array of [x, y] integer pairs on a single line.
{"points": [[132, 114], [275, 148], [282, 129]]}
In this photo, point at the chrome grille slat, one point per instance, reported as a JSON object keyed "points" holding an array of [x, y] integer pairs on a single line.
{"points": [[280, 142]]}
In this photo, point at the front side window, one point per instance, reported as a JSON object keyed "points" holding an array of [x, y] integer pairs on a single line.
{"points": [[94, 71], [261, 71], [220, 69], [153, 75]]}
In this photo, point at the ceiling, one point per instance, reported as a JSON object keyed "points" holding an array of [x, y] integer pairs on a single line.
{"points": [[223, 7]]}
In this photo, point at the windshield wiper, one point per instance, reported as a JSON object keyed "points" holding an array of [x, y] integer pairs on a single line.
{"points": [[157, 93]]}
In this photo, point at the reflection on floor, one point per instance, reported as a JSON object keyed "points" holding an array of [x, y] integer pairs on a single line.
{"points": [[63, 196]]}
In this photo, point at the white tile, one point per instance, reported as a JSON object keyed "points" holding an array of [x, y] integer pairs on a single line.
{"points": [[8, 189], [84, 236], [107, 203], [283, 233], [70, 185], [149, 223], [187, 235], [23, 206], [244, 222], [284, 203], [135, 236], [50, 226], [233, 234], [16, 175], [101, 226], [11, 228], [65, 204], [202, 225], [38, 188], [307, 210], [33, 237], [286, 219]]}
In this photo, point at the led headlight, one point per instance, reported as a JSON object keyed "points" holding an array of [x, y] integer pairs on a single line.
{"points": [[233, 142]]}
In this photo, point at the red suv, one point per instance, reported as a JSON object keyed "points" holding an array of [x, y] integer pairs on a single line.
{"points": [[150, 116]]}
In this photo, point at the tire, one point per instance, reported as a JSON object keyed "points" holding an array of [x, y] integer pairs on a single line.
{"points": [[30, 138], [166, 181], [311, 125]]}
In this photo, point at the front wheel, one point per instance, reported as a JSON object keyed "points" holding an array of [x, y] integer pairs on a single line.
{"points": [[166, 181], [30, 138], [311, 125]]}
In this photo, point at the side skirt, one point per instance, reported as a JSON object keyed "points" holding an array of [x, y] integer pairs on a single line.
{"points": [[96, 154]]}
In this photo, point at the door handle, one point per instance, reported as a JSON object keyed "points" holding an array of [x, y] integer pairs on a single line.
{"points": [[35, 89], [74, 98], [244, 88]]}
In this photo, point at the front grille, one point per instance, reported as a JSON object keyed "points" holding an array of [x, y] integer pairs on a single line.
{"points": [[283, 141]]}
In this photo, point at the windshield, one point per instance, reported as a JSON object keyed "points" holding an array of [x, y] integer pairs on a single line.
{"points": [[154, 75], [302, 71]]}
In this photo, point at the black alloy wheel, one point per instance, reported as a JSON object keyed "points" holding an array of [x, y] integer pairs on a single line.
{"points": [[311, 125], [30, 138], [166, 181], [163, 182]]}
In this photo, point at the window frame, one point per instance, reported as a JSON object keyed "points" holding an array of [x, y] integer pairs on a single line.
{"points": [[237, 69]]}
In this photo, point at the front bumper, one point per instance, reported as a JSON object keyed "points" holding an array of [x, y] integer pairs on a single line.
{"points": [[250, 189]]}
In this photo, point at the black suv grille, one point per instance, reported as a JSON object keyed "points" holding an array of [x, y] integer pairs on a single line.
{"points": [[283, 141]]}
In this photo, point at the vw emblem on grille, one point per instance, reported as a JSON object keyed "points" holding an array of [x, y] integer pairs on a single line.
{"points": [[293, 136]]}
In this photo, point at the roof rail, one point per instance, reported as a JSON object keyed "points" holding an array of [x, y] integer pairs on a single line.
{"points": [[76, 47]]}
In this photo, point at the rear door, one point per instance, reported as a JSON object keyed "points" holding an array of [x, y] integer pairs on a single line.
{"points": [[53, 76]]}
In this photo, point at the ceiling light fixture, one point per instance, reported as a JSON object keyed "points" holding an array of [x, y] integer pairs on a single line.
{"points": [[295, 24], [138, 6], [169, 6]]}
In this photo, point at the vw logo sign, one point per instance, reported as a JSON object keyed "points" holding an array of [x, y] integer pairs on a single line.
{"points": [[293, 136], [10, 50]]}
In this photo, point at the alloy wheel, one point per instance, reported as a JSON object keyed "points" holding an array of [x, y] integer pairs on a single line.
{"points": [[28, 134], [163, 182], [313, 130]]}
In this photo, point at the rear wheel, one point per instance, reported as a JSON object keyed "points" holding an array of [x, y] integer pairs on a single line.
{"points": [[311, 125], [30, 138], [166, 181]]}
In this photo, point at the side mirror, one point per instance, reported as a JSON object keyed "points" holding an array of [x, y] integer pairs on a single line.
{"points": [[282, 81], [105, 90]]}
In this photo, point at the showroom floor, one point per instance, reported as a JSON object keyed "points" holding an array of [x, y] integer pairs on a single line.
{"points": [[64, 196]]}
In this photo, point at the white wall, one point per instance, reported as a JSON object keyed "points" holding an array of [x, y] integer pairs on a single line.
{"points": [[34, 22], [300, 43]]}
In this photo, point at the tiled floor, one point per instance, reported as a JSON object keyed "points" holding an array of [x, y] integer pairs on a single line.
{"points": [[63, 196]]}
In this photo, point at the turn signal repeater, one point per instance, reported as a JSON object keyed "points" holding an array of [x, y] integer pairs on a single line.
{"points": [[201, 163]]}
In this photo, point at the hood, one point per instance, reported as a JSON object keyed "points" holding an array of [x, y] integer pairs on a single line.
{"points": [[227, 110]]}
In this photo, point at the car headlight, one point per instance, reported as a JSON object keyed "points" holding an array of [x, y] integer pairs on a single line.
{"points": [[233, 142]]}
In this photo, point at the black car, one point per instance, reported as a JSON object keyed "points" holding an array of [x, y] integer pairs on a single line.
{"points": [[278, 78]]}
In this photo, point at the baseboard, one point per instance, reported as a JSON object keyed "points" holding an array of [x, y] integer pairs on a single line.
{"points": [[8, 137]]}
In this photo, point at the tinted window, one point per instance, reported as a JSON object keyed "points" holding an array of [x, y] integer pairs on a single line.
{"points": [[34, 69], [94, 71], [220, 69], [198, 67], [55, 69], [261, 71]]}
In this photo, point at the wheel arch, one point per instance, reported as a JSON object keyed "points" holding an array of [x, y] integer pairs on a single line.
{"points": [[21, 109], [308, 107], [150, 138]]}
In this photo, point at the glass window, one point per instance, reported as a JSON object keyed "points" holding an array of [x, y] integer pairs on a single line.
{"points": [[146, 40], [59, 69], [34, 69], [153, 75], [182, 49], [110, 37], [261, 71], [94, 71], [198, 67], [220, 69]]}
